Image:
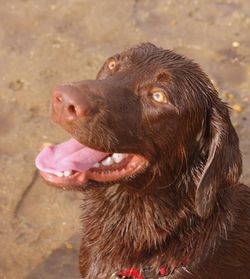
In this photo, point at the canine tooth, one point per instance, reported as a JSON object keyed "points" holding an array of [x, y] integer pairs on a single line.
{"points": [[67, 173], [96, 165], [59, 173], [107, 162], [118, 157]]}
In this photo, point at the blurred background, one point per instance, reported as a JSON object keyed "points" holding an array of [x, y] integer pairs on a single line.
{"points": [[49, 42]]}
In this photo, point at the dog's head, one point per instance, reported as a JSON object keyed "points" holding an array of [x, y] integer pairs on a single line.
{"points": [[151, 114]]}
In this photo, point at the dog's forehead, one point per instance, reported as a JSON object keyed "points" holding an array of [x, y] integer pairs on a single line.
{"points": [[141, 62], [149, 61], [141, 53]]}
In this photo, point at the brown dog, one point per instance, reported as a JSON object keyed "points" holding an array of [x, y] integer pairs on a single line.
{"points": [[158, 161]]}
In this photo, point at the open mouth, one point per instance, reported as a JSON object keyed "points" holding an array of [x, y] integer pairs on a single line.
{"points": [[71, 164]]}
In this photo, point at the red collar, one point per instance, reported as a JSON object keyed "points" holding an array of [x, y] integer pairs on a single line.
{"points": [[136, 274]]}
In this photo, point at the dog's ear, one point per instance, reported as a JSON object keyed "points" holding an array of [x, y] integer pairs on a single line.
{"points": [[223, 165]]}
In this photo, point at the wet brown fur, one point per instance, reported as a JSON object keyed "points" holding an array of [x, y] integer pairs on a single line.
{"points": [[187, 202]]}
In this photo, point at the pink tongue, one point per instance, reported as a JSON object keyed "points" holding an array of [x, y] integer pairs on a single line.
{"points": [[69, 155]]}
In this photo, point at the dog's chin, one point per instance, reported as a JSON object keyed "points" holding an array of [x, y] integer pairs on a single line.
{"points": [[106, 173]]}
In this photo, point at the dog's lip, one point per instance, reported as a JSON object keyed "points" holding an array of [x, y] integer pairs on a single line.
{"points": [[76, 180], [129, 167]]}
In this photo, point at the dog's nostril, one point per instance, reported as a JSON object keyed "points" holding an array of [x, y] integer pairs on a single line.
{"points": [[59, 99], [72, 110]]}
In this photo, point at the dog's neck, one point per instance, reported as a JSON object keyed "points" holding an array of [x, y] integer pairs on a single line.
{"points": [[130, 225], [125, 227]]}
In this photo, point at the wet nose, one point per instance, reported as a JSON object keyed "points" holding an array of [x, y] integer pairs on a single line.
{"points": [[69, 104]]}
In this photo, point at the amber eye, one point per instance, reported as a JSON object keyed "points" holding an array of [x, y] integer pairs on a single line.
{"points": [[111, 64], [159, 97]]}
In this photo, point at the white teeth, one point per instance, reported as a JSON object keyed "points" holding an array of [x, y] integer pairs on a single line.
{"points": [[67, 173], [63, 173], [59, 173], [118, 157], [96, 165], [107, 162], [115, 158]]}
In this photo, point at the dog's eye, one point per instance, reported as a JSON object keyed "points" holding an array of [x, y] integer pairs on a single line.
{"points": [[111, 64], [159, 97]]}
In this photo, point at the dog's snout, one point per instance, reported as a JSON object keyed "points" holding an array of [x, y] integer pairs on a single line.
{"points": [[69, 104]]}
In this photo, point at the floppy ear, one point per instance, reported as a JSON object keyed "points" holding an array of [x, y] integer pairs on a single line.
{"points": [[223, 166]]}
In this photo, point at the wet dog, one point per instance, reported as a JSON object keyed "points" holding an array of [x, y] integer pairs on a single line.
{"points": [[158, 162]]}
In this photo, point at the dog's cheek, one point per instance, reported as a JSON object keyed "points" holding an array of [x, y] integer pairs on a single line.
{"points": [[162, 126]]}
